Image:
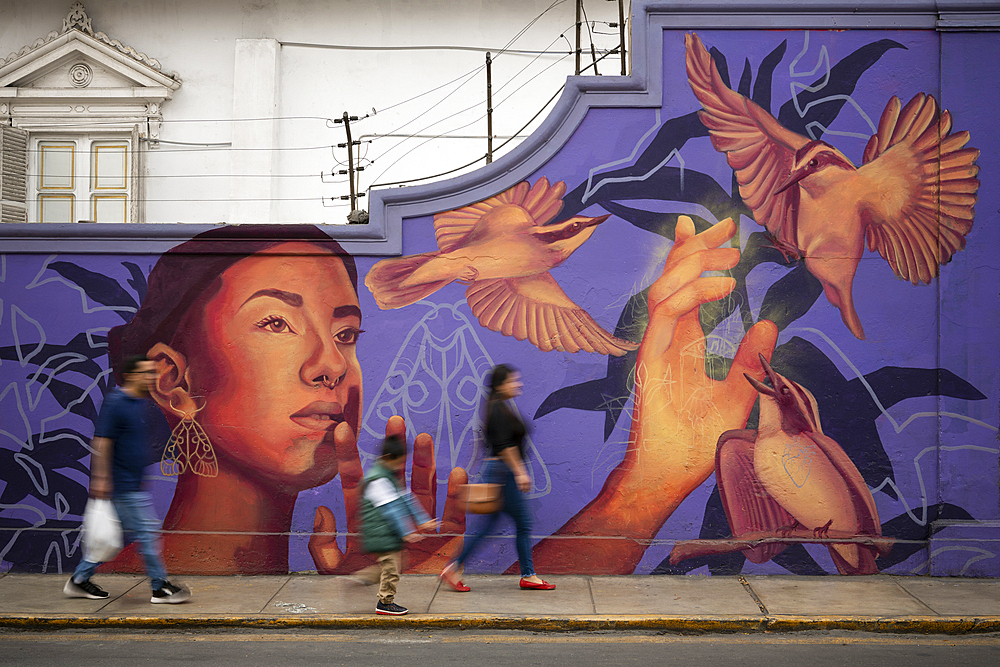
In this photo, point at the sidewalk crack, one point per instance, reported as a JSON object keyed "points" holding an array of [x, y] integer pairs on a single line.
{"points": [[590, 586], [276, 593], [433, 596], [749, 589], [918, 600]]}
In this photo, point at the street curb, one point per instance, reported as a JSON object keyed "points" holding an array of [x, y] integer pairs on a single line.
{"points": [[583, 623]]}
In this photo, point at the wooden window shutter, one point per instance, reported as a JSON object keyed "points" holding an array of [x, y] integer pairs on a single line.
{"points": [[13, 174]]}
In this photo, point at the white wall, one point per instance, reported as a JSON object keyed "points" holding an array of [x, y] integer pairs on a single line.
{"points": [[198, 39]]}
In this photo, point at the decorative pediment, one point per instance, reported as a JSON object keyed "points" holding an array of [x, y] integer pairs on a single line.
{"points": [[78, 23], [76, 74]]}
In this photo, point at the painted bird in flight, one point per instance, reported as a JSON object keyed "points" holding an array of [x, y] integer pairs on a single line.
{"points": [[788, 479], [912, 197], [503, 249]]}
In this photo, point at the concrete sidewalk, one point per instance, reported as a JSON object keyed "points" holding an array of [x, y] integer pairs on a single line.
{"points": [[679, 604]]}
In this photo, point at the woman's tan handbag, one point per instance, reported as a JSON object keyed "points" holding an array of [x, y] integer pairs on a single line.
{"points": [[482, 498]]}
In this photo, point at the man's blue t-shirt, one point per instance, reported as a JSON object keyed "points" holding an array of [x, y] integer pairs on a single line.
{"points": [[123, 421]]}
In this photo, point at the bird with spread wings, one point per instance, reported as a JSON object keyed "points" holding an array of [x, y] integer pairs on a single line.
{"points": [[503, 249], [912, 198]]}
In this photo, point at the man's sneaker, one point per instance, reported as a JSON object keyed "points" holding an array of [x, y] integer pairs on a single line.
{"points": [[170, 594], [391, 609], [87, 589]]}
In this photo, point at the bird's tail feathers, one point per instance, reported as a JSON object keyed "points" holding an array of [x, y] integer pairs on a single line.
{"points": [[385, 280], [854, 558], [842, 297]]}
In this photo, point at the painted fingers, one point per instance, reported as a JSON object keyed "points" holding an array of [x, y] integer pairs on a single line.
{"points": [[681, 288]]}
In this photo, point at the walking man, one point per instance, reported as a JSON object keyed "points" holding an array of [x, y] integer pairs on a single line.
{"points": [[121, 451]]}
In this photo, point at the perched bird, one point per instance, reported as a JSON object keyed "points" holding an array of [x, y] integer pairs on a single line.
{"points": [[503, 250], [912, 197], [787, 478]]}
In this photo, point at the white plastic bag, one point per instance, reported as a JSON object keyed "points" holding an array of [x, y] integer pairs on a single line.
{"points": [[102, 531]]}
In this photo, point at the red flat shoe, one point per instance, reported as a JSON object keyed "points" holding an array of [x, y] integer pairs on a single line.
{"points": [[543, 586], [448, 576]]}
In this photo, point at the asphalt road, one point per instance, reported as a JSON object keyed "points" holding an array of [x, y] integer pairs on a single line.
{"points": [[242, 648]]}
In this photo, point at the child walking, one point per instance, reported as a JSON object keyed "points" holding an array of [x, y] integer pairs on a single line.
{"points": [[388, 514]]}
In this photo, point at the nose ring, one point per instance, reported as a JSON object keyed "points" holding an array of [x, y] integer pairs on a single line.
{"points": [[324, 381]]}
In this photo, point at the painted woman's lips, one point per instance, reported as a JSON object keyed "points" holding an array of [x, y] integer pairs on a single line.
{"points": [[319, 416]]}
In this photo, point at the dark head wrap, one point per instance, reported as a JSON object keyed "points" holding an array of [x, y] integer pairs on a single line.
{"points": [[183, 273]]}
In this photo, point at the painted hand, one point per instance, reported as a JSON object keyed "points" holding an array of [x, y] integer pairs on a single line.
{"points": [[680, 411], [432, 553], [327, 554], [678, 416]]}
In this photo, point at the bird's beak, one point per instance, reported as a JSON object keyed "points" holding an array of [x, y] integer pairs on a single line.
{"points": [[593, 222], [792, 179], [771, 375], [759, 386]]}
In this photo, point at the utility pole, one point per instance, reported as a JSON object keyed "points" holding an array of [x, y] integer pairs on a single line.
{"points": [[489, 108], [621, 31], [579, 7], [354, 215]]}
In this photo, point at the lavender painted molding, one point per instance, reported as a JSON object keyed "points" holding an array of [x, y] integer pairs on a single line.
{"points": [[867, 441]]}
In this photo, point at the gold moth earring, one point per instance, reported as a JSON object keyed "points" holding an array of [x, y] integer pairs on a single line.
{"points": [[188, 448]]}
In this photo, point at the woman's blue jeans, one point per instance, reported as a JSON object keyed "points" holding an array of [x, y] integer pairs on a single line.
{"points": [[497, 472], [139, 523]]}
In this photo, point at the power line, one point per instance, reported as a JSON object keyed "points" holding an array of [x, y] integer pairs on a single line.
{"points": [[211, 149], [443, 47], [404, 155], [471, 74], [424, 178], [157, 176], [521, 71], [514, 136], [428, 92]]}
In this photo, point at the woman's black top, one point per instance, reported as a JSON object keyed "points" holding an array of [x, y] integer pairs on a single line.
{"points": [[504, 429]]}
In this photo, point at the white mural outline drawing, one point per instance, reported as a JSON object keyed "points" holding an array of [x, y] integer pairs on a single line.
{"points": [[72, 358], [35, 282], [983, 555], [43, 424], [920, 478], [14, 313], [628, 179], [871, 392], [52, 366], [392, 398], [43, 486], [592, 189], [26, 442], [94, 345], [796, 88], [62, 505], [899, 428], [54, 545], [70, 548], [17, 533]]}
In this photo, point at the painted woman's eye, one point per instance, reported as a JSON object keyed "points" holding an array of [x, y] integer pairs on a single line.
{"points": [[348, 336], [813, 162], [275, 324], [785, 390]]}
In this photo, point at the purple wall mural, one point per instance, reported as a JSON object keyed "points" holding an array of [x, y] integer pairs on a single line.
{"points": [[754, 309]]}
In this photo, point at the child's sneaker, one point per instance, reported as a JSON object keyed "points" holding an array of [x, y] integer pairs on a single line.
{"points": [[391, 609], [86, 589], [170, 594]]}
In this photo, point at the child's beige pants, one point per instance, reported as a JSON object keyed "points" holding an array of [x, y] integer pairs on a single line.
{"points": [[386, 572]]}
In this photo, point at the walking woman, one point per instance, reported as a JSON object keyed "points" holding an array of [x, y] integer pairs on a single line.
{"points": [[505, 442]]}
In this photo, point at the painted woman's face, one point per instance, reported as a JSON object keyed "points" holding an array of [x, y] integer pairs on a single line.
{"points": [[277, 367]]}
